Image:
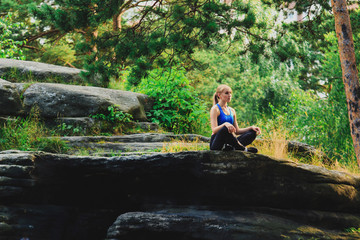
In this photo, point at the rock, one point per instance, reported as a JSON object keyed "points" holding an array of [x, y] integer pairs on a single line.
{"points": [[299, 149], [75, 125], [305, 150], [205, 177], [185, 195], [38, 70], [246, 224], [87, 125], [44, 222], [138, 138], [60, 100], [10, 102], [134, 142]]}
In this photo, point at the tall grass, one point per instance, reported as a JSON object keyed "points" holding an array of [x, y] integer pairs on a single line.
{"points": [[29, 134], [182, 145], [274, 142]]}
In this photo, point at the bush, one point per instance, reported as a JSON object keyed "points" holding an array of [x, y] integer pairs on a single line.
{"points": [[177, 107], [318, 122], [10, 48], [115, 120]]}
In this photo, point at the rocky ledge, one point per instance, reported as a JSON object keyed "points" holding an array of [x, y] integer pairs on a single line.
{"points": [[61, 100], [186, 195]]}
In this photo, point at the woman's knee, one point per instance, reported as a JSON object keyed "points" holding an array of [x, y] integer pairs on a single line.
{"points": [[252, 133], [223, 129]]}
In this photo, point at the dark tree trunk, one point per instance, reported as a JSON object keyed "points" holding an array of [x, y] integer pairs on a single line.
{"points": [[349, 70]]}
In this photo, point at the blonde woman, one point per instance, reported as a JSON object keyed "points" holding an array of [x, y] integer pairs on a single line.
{"points": [[225, 127]]}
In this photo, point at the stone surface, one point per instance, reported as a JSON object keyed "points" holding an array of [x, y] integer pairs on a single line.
{"points": [[10, 102], [306, 150], [55, 222], [60, 100], [244, 224], [212, 177], [155, 141], [39, 70], [133, 142], [241, 193], [86, 125]]}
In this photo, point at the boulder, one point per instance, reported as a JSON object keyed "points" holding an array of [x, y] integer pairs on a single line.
{"points": [[10, 102], [133, 142], [185, 195], [240, 224], [39, 71], [209, 178], [60, 100]]}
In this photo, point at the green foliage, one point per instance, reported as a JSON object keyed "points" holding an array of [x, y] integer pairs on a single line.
{"points": [[353, 230], [9, 47], [29, 135], [61, 54], [152, 36], [318, 122], [115, 120], [253, 85], [177, 107], [69, 130]]}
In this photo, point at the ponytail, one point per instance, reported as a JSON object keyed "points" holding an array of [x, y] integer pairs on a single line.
{"points": [[215, 98]]}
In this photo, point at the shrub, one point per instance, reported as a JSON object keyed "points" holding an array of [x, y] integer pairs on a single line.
{"points": [[318, 122], [177, 107], [115, 120], [9, 47]]}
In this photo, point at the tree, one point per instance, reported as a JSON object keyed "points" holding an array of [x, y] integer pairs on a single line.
{"points": [[316, 9], [9, 48], [154, 33], [349, 69]]}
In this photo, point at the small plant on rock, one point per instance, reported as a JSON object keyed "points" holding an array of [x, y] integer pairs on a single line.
{"points": [[70, 130], [29, 134], [114, 120]]}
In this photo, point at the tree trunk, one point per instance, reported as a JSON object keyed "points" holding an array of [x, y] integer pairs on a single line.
{"points": [[117, 22], [349, 70]]}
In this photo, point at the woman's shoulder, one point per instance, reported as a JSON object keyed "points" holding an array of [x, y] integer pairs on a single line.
{"points": [[232, 110], [215, 108]]}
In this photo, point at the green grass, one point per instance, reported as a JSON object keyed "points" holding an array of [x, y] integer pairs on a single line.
{"points": [[29, 134]]}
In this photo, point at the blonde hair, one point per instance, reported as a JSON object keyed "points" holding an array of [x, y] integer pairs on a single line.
{"points": [[219, 90]]}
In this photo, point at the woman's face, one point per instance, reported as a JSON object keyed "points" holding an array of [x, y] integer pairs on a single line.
{"points": [[225, 95]]}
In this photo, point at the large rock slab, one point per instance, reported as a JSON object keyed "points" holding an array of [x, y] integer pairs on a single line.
{"points": [[200, 177], [61, 100], [203, 177], [39, 70], [88, 193], [10, 102], [244, 224], [55, 222], [134, 142]]}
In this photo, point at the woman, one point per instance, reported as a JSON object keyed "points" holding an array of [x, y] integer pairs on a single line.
{"points": [[224, 125]]}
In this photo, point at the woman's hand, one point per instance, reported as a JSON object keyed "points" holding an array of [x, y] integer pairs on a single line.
{"points": [[230, 127], [256, 129]]}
